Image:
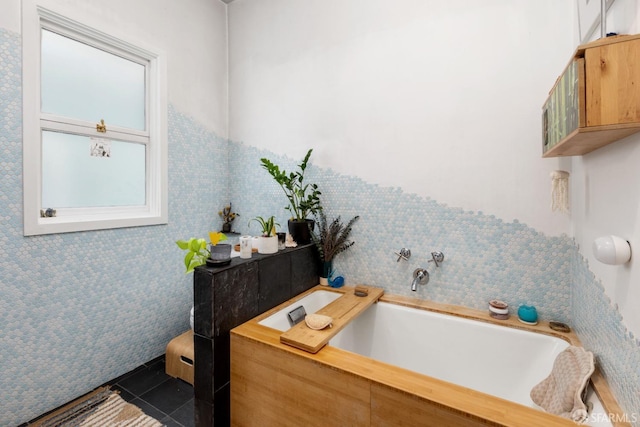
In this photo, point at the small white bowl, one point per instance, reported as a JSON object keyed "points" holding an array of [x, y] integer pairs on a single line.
{"points": [[498, 307], [498, 310]]}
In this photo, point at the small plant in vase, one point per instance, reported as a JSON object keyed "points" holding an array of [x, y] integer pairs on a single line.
{"points": [[227, 218], [198, 254], [331, 239], [268, 241], [220, 253]]}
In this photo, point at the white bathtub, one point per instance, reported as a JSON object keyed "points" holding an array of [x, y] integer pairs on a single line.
{"points": [[493, 359]]}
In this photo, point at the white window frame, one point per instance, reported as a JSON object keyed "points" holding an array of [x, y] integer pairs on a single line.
{"points": [[35, 18]]}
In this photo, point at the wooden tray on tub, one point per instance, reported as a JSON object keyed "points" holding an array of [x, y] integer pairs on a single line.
{"points": [[342, 310]]}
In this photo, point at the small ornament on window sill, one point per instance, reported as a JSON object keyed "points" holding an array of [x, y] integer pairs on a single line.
{"points": [[101, 127], [48, 213], [560, 191]]}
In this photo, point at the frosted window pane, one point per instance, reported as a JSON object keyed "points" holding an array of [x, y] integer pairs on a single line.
{"points": [[82, 82], [72, 178]]}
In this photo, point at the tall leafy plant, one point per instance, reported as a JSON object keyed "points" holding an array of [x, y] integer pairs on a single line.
{"points": [[304, 198]]}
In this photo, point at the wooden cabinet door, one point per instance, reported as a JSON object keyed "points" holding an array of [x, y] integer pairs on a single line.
{"points": [[613, 83]]}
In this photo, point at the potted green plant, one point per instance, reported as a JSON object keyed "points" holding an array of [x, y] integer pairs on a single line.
{"points": [[198, 254], [331, 239], [268, 241], [304, 198], [220, 253]]}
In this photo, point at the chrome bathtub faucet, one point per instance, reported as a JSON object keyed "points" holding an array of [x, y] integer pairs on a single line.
{"points": [[421, 276]]}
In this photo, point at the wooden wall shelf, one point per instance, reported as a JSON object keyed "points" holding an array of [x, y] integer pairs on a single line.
{"points": [[596, 100]]}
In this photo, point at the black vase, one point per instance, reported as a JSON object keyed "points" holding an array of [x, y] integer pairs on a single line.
{"points": [[300, 230]]}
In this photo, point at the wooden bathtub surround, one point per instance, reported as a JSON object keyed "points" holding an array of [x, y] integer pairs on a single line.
{"points": [[273, 384], [342, 311]]}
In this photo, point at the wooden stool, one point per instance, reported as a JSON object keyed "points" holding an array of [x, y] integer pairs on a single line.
{"points": [[179, 357]]}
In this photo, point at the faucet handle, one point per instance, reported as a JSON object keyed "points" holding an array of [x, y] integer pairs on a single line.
{"points": [[437, 257], [404, 254]]}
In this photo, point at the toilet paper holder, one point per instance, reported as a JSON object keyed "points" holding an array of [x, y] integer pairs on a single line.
{"points": [[612, 250]]}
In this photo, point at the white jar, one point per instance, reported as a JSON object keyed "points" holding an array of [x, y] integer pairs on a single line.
{"points": [[268, 245]]}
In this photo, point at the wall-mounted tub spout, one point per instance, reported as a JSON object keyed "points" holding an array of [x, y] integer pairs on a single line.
{"points": [[421, 276]]}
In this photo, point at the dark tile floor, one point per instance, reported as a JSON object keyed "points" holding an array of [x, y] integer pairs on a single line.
{"points": [[167, 399]]}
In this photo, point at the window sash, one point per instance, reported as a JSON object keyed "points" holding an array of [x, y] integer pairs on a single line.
{"points": [[77, 127], [73, 178], [116, 49]]}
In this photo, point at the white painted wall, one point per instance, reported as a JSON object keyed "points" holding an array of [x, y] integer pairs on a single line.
{"points": [[191, 32], [10, 15], [605, 188], [442, 99]]}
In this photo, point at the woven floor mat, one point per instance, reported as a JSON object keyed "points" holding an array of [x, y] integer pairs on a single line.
{"points": [[101, 408]]}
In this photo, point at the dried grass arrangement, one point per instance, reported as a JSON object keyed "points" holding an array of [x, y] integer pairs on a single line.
{"points": [[332, 237]]}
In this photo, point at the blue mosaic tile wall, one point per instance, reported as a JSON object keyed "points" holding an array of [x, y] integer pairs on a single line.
{"points": [[485, 258], [599, 325], [79, 309]]}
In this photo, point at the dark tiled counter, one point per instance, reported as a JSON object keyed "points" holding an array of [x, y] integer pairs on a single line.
{"points": [[228, 296]]}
